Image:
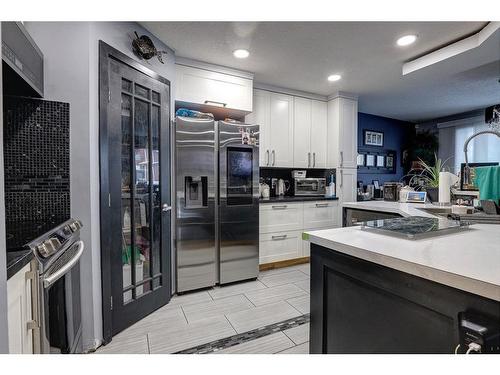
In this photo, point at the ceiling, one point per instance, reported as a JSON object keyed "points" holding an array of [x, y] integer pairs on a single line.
{"points": [[300, 55]]}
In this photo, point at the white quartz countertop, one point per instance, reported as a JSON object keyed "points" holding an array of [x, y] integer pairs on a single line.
{"points": [[467, 260], [404, 209]]}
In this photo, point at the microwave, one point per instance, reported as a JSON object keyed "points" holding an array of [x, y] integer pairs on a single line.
{"points": [[309, 186]]}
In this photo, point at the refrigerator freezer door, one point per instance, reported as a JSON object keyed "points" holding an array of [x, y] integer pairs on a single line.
{"points": [[195, 203], [239, 201]]}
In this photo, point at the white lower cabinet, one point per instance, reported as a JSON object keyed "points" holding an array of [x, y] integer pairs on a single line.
{"points": [[278, 217], [19, 313], [281, 227], [278, 246]]}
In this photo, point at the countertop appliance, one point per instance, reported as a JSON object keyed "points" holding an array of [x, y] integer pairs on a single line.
{"points": [[391, 191], [217, 199], [22, 62], [57, 311], [310, 186], [282, 187]]}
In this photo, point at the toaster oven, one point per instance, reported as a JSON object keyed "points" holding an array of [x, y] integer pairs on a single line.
{"points": [[309, 186]]}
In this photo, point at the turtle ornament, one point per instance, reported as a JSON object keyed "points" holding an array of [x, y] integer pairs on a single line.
{"points": [[143, 46]]}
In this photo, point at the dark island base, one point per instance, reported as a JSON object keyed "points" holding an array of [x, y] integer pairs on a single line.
{"points": [[361, 307]]}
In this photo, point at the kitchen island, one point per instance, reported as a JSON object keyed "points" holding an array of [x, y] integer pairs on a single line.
{"points": [[372, 293]]}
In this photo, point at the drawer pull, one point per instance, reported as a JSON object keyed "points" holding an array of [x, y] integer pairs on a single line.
{"points": [[321, 204], [282, 207], [282, 237], [215, 103]]}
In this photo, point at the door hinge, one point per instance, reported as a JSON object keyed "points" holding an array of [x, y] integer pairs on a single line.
{"points": [[111, 301], [109, 199], [109, 96]]}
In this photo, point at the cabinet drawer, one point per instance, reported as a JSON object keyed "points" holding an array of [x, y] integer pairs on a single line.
{"points": [[274, 247], [277, 217], [206, 87], [321, 214]]}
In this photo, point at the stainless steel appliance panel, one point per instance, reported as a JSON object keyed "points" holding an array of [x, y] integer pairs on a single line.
{"points": [[195, 203], [238, 201], [310, 186]]}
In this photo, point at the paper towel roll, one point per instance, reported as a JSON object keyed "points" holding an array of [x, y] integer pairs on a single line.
{"points": [[444, 187]]}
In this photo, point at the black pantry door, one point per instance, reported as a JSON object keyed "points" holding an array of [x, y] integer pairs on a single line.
{"points": [[138, 158]]}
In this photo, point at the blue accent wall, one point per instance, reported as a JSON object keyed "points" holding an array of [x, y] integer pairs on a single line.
{"points": [[395, 133]]}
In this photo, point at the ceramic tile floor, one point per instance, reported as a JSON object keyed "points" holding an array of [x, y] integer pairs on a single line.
{"points": [[201, 317]]}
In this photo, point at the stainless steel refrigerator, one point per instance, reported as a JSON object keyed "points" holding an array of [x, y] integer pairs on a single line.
{"points": [[217, 202]]}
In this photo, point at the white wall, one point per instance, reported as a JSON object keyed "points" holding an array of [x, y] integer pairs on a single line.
{"points": [[4, 342], [71, 54]]}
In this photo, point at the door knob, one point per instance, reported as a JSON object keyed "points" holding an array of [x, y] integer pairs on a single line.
{"points": [[166, 207]]}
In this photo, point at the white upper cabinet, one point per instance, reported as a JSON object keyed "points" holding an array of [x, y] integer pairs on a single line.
{"points": [[261, 116], [205, 87], [274, 114], [281, 130], [342, 132], [302, 157], [348, 133], [310, 133], [319, 138]]}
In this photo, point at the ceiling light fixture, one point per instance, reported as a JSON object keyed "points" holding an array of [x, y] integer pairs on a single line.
{"points": [[406, 40], [334, 77], [241, 53]]}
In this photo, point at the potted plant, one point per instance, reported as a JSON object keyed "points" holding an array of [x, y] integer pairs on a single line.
{"points": [[430, 177]]}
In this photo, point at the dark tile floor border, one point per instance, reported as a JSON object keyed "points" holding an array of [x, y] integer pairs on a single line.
{"points": [[241, 338]]}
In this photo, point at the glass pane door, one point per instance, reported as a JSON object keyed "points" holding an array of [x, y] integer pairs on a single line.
{"points": [[140, 190]]}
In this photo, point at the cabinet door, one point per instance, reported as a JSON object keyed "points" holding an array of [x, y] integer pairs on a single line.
{"points": [[281, 139], [302, 157], [321, 214], [261, 116], [346, 186], [277, 246], [348, 145], [202, 86], [276, 217], [19, 313], [319, 139]]}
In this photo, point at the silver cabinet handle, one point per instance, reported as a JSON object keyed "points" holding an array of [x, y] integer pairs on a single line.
{"points": [[267, 157], [321, 205], [166, 207], [49, 280], [219, 104], [341, 178], [282, 207], [274, 157], [282, 237], [314, 159], [341, 158], [308, 159]]}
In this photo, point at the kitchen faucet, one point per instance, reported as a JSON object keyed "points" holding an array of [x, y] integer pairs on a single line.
{"points": [[467, 168]]}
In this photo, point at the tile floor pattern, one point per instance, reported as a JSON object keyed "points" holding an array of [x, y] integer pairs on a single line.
{"points": [[195, 319]]}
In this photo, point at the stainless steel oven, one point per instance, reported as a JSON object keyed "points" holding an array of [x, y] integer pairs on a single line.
{"points": [[57, 299], [310, 186]]}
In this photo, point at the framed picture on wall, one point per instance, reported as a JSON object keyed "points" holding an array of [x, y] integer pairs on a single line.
{"points": [[380, 160], [370, 160], [373, 138], [360, 160], [389, 161]]}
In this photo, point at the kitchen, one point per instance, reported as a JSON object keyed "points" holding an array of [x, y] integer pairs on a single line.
{"points": [[203, 200]]}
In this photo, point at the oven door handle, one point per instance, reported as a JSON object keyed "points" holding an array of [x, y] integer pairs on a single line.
{"points": [[49, 280]]}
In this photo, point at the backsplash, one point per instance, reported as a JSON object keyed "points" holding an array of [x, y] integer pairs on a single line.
{"points": [[36, 157]]}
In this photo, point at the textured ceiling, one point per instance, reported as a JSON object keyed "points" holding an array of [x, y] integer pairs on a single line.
{"points": [[300, 55]]}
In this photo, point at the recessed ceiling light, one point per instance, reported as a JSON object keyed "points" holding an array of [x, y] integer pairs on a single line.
{"points": [[406, 40], [241, 53], [334, 77]]}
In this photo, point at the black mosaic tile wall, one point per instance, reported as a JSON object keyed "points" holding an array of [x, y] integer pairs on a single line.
{"points": [[36, 157]]}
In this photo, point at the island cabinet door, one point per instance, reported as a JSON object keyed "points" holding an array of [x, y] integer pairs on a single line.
{"points": [[360, 307]]}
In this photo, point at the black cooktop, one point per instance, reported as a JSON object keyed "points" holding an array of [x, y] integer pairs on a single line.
{"points": [[20, 233]]}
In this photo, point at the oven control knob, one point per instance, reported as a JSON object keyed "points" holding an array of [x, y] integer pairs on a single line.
{"points": [[75, 225], [49, 247], [67, 230]]}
